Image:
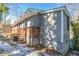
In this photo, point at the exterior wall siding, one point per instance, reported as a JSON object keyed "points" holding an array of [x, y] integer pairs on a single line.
{"points": [[27, 31], [33, 30], [51, 33], [66, 34], [33, 21], [46, 29]]}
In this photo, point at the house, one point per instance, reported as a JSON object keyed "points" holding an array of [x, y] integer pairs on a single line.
{"points": [[49, 28]]}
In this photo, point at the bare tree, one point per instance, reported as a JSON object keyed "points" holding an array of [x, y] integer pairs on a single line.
{"points": [[13, 14]]}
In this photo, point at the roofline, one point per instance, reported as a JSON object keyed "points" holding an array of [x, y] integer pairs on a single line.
{"points": [[63, 8], [25, 14], [13, 25], [37, 9], [58, 9]]}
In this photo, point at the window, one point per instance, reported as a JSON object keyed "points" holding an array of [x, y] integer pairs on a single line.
{"points": [[22, 25], [45, 16], [55, 15], [29, 23], [48, 14]]}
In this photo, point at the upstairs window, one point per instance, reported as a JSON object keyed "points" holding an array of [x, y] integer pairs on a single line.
{"points": [[29, 23]]}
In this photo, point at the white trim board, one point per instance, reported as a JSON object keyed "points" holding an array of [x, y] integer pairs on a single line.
{"points": [[62, 29]]}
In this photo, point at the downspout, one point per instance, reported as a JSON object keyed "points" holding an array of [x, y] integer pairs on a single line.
{"points": [[25, 32], [62, 29], [39, 27]]}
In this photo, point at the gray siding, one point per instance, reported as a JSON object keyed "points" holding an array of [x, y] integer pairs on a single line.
{"points": [[66, 34], [48, 30], [58, 29], [64, 46], [50, 26], [53, 28], [46, 35], [34, 21]]}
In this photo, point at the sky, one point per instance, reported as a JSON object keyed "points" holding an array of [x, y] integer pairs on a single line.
{"points": [[44, 6], [17, 9]]}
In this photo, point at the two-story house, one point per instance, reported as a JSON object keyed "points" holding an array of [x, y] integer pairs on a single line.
{"points": [[49, 28]]}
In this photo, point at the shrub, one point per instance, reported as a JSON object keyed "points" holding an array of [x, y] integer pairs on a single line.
{"points": [[76, 43]]}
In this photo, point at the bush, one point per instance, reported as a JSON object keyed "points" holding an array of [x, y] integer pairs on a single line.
{"points": [[76, 44]]}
